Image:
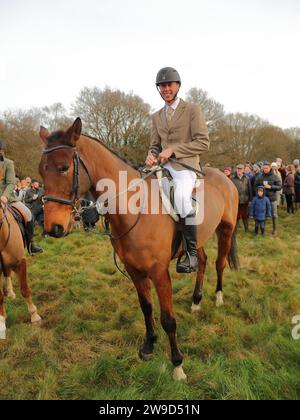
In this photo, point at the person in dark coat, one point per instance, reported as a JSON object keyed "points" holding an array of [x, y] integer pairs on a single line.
{"points": [[260, 210], [289, 189], [272, 184], [283, 174], [243, 185], [297, 188], [33, 200]]}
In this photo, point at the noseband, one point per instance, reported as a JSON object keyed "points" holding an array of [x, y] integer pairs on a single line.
{"points": [[76, 185]]}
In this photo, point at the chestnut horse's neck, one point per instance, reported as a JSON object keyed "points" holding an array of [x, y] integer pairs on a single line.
{"points": [[104, 164]]}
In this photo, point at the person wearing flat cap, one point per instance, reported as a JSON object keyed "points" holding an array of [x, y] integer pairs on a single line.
{"points": [[8, 197], [243, 185]]}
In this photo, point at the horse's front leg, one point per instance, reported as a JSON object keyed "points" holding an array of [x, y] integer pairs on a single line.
{"points": [[143, 287], [21, 273], [162, 282]]}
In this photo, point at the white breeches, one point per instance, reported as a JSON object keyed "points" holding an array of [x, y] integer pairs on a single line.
{"points": [[184, 182]]}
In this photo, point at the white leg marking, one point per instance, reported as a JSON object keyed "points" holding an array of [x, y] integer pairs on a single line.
{"points": [[179, 374], [2, 328], [195, 308], [220, 301], [34, 314]]}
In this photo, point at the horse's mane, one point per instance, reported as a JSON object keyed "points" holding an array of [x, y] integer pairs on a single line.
{"points": [[55, 136], [114, 152]]}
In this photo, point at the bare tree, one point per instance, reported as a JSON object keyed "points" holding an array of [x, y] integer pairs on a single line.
{"points": [[19, 130], [119, 119], [55, 117], [235, 139], [213, 110]]}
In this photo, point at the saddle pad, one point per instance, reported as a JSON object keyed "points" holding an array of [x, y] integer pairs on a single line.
{"points": [[167, 195]]}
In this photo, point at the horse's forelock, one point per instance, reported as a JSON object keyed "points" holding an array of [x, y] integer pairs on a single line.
{"points": [[55, 137]]}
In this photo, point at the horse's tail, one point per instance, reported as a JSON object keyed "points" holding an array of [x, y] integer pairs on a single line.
{"points": [[233, 257]]}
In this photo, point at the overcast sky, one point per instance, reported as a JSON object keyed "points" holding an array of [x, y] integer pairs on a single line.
{"points": [[244, 53]]}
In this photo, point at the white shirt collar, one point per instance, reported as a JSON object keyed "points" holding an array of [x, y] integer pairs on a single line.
{"points": [[174, 105]]}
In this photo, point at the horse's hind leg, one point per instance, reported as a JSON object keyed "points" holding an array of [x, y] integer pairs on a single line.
{"points": [[162, 282], [143, 287], [197, 296], [2, 312], [21, 273], [224, 232]]}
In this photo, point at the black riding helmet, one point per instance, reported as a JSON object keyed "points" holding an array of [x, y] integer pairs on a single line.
{"points": [[167, 75]]}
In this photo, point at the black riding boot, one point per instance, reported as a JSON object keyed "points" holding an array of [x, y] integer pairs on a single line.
{"points": [[274, 226], [190, 263], [32, 247]]}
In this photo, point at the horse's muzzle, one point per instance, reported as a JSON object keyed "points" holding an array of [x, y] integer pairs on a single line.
{"points": [[57, 231]]}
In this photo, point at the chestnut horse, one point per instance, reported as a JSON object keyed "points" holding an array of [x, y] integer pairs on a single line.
{"points": [[12, 257], [143, 242]]}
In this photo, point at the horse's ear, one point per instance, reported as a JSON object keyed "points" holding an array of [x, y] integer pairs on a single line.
{"points": [[74, 132], [44, 133]]}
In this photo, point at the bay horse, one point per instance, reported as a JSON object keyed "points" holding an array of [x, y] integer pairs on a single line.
{"points": [[12, 259], [143, 242]]}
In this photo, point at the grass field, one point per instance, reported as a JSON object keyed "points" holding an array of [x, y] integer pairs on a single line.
{"points": [[86, 347]]}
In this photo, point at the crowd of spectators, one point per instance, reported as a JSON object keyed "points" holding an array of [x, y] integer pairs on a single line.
{"points": [[263, 187], [31, 193]]}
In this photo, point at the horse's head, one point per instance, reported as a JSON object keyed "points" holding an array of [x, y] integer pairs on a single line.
{"points": [[59, 170]]}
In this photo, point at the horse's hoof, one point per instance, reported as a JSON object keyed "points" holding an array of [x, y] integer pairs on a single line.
{"points": [[2, 328], [195, 308], [145, 357], [35, 318], [179, 374], [219, 301]]}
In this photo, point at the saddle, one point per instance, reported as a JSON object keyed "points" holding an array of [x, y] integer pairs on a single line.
{"points": [[20, 219]]}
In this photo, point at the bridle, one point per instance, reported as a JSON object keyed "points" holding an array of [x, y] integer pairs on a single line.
{"points": [[77, 160]]}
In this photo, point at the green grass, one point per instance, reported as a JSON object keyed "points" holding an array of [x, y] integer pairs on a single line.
{"points": [[86, 347]]}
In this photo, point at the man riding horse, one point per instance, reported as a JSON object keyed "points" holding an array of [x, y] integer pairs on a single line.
{"points": [[7, 196], [179, 130]]}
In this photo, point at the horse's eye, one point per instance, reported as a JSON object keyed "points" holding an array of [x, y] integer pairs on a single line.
{"points": [[63, 169]]}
